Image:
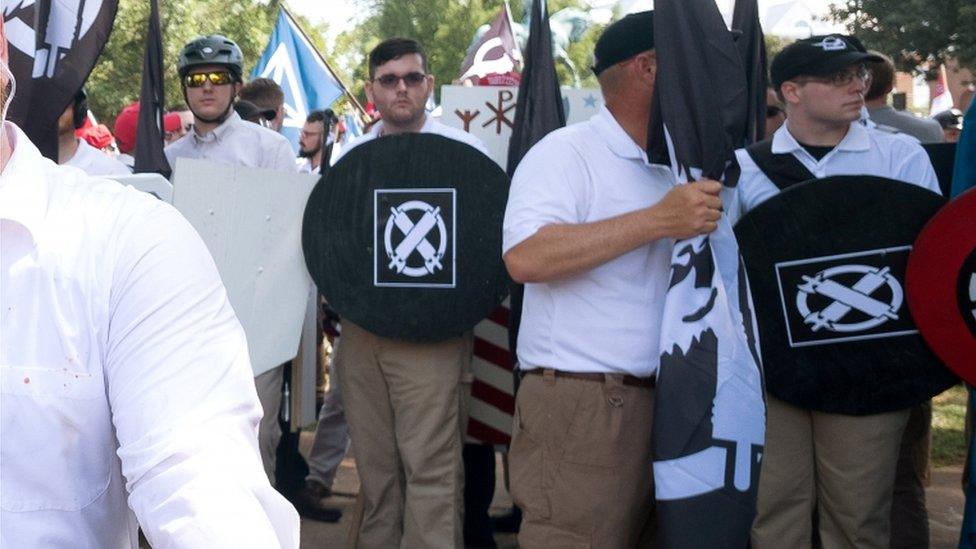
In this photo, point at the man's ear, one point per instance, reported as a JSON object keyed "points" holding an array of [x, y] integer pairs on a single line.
{"points": [[368, 88], [791, 92]]}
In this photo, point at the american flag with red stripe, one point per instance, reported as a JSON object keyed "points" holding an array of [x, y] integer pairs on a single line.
{"points": [[492, 394]]}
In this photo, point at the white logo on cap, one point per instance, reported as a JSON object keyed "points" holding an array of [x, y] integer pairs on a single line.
{"points": [[832, 43]]}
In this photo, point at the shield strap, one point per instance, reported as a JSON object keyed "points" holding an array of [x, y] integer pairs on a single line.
{"points": [[784, 170]]}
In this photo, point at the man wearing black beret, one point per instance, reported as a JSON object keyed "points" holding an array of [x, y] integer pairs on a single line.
{"points": [[589, 229]]}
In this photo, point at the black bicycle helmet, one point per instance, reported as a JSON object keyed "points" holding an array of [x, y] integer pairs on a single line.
{"points": [[214, 49]]}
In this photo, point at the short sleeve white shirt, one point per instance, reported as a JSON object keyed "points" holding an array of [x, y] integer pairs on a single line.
{"points": [[94, 162], [863, 151], [607, 319], [237, 142], [126, 393]]}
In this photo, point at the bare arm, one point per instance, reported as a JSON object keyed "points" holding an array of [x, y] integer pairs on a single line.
{"points": [[562, 250]]}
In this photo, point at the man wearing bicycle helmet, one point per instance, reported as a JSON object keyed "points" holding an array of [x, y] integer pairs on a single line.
{"points": [[210, 69]]}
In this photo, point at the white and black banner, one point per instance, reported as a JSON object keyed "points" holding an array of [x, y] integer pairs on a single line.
{"points": [[54, 45]]}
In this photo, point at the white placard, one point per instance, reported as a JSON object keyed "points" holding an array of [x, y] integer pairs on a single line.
{"points": [[488, 112], [251, 220]]}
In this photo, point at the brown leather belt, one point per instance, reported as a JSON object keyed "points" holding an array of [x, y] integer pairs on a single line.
{"points": [[646, 382]]}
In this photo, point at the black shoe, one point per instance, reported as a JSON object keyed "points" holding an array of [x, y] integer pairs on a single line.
{"points": [[508, 523], [308, 501]]}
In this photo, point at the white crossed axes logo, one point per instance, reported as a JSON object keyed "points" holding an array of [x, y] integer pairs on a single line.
{"points": [[845, 299], [415, 238]]}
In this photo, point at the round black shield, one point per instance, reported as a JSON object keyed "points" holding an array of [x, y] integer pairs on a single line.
{"points": [[942, 285], [826, 262], [403, 236]]}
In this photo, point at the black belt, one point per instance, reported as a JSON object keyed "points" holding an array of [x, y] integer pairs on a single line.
{"points": [[633, 381]]}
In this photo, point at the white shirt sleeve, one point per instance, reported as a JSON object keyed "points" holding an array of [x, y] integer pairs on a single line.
{"points": [[549, 188], [914, 166], [182, 396], [284, 157]]}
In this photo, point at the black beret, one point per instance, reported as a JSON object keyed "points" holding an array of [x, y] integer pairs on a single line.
{"points": [[624, 39]]}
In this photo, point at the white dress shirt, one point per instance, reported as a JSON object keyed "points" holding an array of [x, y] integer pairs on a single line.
{"points": [[94, 162], [430, 126], [863, 151], [607, 319], [236, 142], [126, 391]]}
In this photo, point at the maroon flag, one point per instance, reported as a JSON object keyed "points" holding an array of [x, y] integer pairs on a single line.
{"points": [[496, 51]]}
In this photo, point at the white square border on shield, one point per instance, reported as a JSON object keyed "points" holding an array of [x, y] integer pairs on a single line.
{"points": [[453, 243], [786, 316]]}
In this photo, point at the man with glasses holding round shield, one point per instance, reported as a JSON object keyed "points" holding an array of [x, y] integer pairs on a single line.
{"points": [[407, 448], [839, 466]]}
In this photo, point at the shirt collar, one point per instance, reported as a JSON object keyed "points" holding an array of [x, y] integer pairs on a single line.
{"points": [[221, 131], [856, 140], [23, 187], [377, 129], [615, 137]]}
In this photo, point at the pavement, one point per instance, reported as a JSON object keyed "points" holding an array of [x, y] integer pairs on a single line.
{"points": [[944, 498]]}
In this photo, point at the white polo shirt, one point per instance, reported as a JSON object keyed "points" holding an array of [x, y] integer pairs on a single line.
{"points": [[125, 387], [236, 142], [94, 162], [430, 126], [862, 152], [607, 319]]}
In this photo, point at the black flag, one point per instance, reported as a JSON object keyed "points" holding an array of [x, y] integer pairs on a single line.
{"points": [[54, 46], [149, 157], [752, 51], [539, 111], [709, 414]]}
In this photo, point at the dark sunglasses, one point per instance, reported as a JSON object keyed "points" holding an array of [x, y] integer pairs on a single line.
{"points": [[411, 79], [199, 79], [772, 110]]}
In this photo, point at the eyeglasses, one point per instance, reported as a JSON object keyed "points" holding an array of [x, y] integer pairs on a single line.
{"points": [[843, 78], [305, 134], [199, 79], [411, 80]]}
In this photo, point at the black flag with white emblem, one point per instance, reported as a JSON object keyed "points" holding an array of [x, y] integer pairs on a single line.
{"points": [[54, 45], [709, 413]]}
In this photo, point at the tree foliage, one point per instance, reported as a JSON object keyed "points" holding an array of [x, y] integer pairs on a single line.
{"points": [[115, 80], [913, 32]]}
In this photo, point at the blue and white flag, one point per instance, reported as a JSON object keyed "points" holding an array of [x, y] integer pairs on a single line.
{"points": [[293, 62]]}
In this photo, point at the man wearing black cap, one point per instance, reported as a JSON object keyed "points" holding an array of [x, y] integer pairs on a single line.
{"points": [[841, 467], [589, 229]]}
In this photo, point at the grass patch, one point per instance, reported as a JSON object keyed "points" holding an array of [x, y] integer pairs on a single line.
{"points": [[948, 424]]}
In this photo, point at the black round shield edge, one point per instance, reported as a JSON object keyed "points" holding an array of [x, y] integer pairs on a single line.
{"points": [[800, 378], [333, 250]]}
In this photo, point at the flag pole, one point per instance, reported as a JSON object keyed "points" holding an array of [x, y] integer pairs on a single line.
{"points": [[352, 98]]}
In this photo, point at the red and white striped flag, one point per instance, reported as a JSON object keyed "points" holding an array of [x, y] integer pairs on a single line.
{"points": [[941, 96], [492, 393]]}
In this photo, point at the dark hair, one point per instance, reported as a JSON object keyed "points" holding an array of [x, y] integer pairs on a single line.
{"points": [[395, 48], [882, 77], [325, 116], [80, 104], [263, 92]]}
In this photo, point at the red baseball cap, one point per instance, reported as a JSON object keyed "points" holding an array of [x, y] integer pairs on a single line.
{"points": [[126, 125], [171, 122]]}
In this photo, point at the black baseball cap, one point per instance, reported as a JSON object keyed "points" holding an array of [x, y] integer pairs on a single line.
{"points": [[818, 56], [951, 118], [247, 110], [624, 39]]}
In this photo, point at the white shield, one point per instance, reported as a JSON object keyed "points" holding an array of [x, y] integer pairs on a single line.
{"points": [[251, 220]]}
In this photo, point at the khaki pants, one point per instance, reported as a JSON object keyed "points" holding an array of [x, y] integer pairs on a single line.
{"points": [[840, 466], [909, 517], [403, 406], [580, 463], [268, 386]]}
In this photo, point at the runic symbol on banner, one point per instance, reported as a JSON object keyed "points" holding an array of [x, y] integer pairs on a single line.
{"points": [[500, 111], [415, 238], [846, 299]]}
